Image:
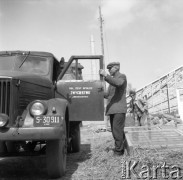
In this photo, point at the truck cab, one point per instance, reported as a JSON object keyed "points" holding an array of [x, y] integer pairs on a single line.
{"points": [[39, 106]]}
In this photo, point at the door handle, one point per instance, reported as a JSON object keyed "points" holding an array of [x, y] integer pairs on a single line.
{"points": [[100, 89]]}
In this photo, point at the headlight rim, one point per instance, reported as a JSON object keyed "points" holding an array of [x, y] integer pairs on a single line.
{"points": [[38, 101], [5, 120]]}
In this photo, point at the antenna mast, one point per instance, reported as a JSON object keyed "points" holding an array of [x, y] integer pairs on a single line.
{"points": [[102, 47], [101, 34]]}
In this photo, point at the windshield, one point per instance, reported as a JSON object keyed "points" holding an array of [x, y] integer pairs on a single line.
{"points": [[32, 64]]}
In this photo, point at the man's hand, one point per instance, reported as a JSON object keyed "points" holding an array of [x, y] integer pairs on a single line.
{"points": [[102, 72]]}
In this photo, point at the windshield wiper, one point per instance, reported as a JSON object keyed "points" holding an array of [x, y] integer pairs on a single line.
{"points": [[24, 59]]}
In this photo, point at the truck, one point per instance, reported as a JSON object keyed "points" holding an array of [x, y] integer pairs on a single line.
{"points": [[39, 108]]}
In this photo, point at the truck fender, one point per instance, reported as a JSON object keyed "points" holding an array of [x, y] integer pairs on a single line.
{"points": [[55, 106], [58, 105]]}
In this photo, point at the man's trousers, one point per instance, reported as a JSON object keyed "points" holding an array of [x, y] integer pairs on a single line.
{"points": [[117, 122]]}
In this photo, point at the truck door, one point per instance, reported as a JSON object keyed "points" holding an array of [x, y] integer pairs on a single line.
{"points": [[80, 83]]}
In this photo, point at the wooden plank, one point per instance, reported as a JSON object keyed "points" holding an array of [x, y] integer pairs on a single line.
{"points": [[144, 144], [178, 135], [156, 138], [162, 145], [160, 136], [129, 145], [139, 128], [164, 135], [151, 136], [162, 141], [149, 141], [169, 127], [180, 132], [154, 130], [157, 142]]}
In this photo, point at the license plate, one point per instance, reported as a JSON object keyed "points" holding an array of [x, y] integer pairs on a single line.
{"points": [[47, 121]]}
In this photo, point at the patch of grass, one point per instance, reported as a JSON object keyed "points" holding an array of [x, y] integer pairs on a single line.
{"points": [[156, 157], [104, 165]]}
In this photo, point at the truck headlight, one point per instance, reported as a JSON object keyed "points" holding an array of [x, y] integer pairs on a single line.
{"points": [[3, 120], [38, 108]]}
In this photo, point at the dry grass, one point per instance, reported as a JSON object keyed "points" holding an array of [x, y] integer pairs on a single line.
{"points": [[156, 157], [102, 164]]}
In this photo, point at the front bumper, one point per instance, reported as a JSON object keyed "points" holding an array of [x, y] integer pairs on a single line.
{"points": [[32, 133]]}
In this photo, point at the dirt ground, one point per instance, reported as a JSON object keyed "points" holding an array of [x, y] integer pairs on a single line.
{"points": [[34, 167], [94, 161]]}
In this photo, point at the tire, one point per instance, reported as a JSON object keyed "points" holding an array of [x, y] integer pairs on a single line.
{"points": [[31, 146], [56, 152], [76, 138]]}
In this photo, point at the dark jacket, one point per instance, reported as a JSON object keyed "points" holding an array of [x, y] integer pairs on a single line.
{"points": [[116, 94], [138, 106]]}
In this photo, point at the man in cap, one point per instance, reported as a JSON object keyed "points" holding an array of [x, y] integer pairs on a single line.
{"points": [[71, 72], [80, 67], [116, 104], [139, 108]]}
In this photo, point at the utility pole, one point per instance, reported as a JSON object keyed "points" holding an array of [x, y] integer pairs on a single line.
{"points": [[92, 45], [101, 35], [106, 118], [94, 67]]}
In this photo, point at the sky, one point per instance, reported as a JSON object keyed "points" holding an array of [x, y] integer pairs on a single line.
{"points": [[145, 36]]}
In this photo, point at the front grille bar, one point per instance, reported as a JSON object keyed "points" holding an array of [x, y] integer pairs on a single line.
{"points": [[5, 96]]}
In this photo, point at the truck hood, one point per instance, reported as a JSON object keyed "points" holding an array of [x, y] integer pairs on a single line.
{"points": [[31, 78]]}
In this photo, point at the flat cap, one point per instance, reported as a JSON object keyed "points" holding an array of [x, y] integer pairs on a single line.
{"points": [[132, 92], [79, 66], [110, 65]]}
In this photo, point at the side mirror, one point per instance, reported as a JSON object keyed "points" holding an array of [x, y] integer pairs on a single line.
{"points": [[62, 62]]}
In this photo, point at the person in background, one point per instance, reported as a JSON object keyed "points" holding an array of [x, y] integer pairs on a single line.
{"points": [[116, 104], [139, 109], [80, 67], [71, 72]]}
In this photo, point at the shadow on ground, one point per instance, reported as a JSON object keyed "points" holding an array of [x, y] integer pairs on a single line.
{"points": [[23, 167], [74, 159], [34, 167]]}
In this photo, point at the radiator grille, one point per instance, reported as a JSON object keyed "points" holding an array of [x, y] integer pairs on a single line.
{"points": [[5, 96]]}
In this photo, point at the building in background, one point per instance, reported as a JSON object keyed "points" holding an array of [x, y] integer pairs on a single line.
{"points": [[164, 95]]}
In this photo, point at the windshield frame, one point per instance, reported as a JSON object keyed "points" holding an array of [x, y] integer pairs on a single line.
{"points": [[14, 66]]}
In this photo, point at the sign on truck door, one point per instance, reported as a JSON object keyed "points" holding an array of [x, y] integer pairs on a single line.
{"points": [[81, 84]]}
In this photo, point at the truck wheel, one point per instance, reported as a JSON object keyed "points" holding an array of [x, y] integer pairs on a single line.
{"points": [[76, 138], [3, 148], [56, 151]]}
